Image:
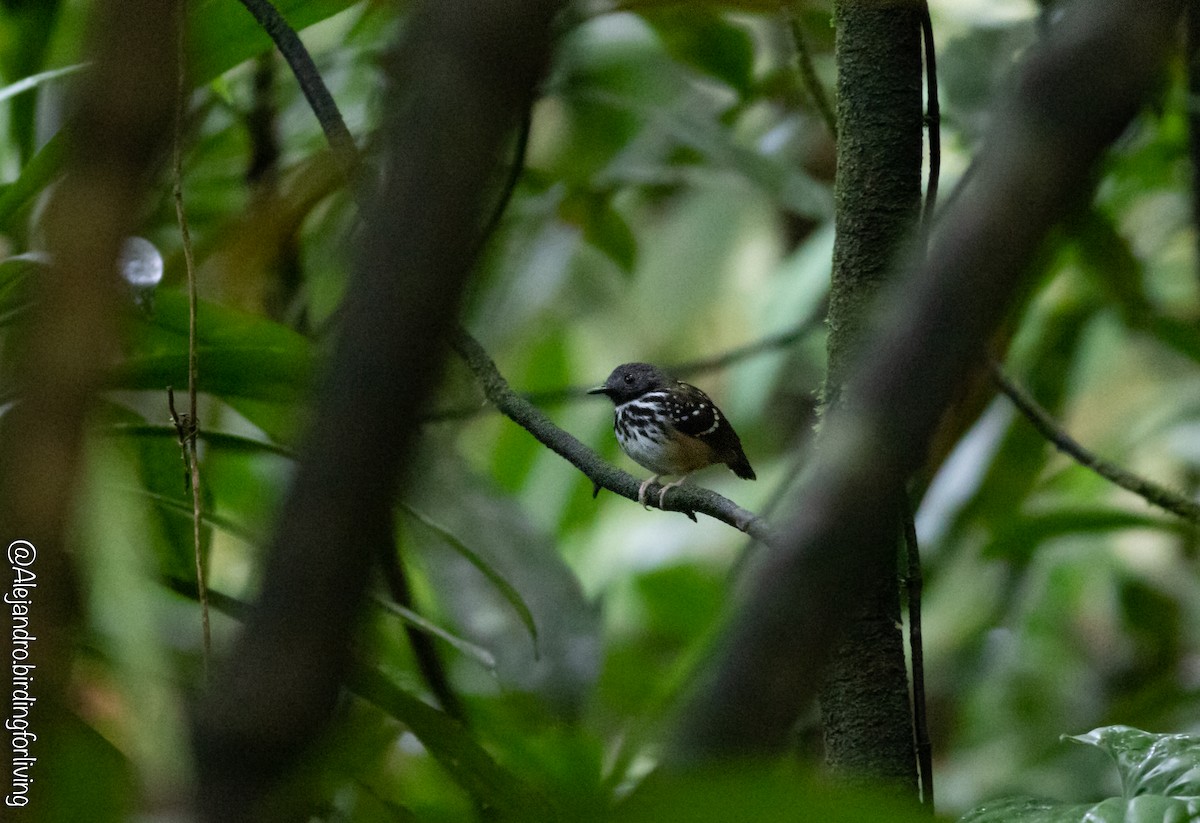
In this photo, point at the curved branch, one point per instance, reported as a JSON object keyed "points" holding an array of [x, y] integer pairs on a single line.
{"points": [[684, 499], [1148, 490]]}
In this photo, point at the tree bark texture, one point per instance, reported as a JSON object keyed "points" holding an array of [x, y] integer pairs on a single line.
{"points": [[1073, 96], [866, 716]]}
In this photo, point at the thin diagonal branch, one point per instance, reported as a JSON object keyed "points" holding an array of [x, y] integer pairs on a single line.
{"points": [[1154, 494], [317, 94], [808, 72], [685, 499]]}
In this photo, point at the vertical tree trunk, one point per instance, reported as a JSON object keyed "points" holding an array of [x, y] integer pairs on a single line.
{"points": [[864, 700]]}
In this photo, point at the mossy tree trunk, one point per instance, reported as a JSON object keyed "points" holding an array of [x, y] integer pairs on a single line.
{"points": [[864, 702]]}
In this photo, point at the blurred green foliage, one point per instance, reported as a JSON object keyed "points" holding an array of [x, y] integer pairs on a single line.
{"points": [[676, 203]]}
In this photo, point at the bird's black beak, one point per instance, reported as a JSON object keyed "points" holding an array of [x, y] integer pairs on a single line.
{"points": [[598, 390]]}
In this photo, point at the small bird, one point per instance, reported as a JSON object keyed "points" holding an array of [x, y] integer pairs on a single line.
{"points": [[669, 426]]}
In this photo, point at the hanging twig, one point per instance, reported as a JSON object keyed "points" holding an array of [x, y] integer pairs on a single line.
{"points": [[1148, 490], [933, 120], [808, 72], [913, 581], [913, 577], [187, 424]]}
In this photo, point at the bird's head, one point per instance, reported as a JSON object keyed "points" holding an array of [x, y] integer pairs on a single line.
{"points": [[632, 380]]}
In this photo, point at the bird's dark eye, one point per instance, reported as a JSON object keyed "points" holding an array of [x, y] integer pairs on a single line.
{"points": [[628, 379]]}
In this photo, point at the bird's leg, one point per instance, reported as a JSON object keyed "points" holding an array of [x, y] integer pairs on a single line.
{"points": [[642, 490], [663, 493]]}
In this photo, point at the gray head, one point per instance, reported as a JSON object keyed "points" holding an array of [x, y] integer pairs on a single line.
{"points": [[632, 380]]}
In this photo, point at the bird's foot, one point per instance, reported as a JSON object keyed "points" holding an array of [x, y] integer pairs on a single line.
{"points": [[663, 493], [642, 490]]}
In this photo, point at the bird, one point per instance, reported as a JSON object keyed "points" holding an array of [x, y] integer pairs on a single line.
{"points": [[669, 427]]}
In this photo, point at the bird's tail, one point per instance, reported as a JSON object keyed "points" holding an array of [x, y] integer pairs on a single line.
{"points": [[741, 467]]}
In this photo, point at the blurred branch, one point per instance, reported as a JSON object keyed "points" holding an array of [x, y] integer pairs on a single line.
{"points": [[685, 499], [567, 394], [443, 131], [117, 130], [1075, 93], [1047, 427], [325, 109]]}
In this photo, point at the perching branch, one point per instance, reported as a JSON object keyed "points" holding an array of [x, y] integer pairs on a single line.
{"points": [[685, 499], [1148, 490]]}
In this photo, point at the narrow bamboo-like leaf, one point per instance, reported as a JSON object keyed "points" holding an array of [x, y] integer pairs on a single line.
{"points": [[16, 274], [505, 588], [37, 174], [35, 80], [224, 34], [216, 439], [183, 508], [472, 650], [469, 764], [1025, 533]]}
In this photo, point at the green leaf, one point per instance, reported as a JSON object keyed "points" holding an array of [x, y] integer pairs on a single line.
{"points": [[1166, 764], [86, 772], [562, 668], [477, 653], [748, 790], [1160, 780], [34, 80], [1144, 809], [261, 368], [16, 278], [1023, 534], [224, 34], [35, 176], [506, 590], [489, 783], [602, 226], [223, 441], [704, 40]]}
